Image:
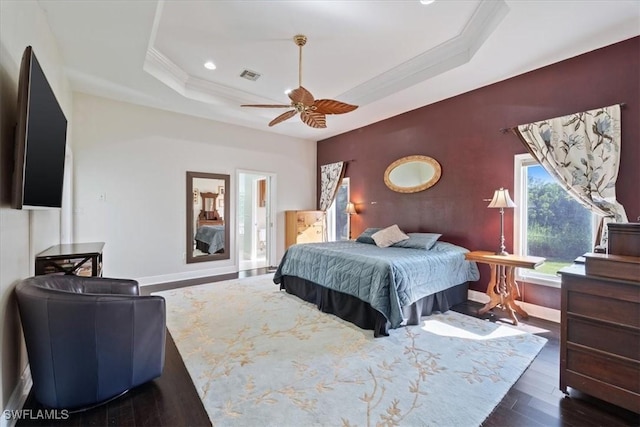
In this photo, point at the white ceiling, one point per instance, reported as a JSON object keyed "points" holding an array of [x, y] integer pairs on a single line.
{"points": [[388, 57]]}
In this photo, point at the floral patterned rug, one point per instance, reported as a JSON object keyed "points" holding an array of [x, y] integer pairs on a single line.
{"points": [[261, 357]]}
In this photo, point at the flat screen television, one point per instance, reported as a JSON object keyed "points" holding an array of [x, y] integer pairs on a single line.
{"points": [[41, 138]]}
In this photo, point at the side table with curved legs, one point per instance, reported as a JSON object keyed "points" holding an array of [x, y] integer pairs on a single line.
{"points": [[502, 288]]}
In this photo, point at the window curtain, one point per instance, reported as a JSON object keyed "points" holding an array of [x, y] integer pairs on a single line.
{"points": [[582, 151], [330, 177]]}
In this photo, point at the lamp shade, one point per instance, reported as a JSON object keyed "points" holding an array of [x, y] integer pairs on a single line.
{"points": [[501, 199], [351, 208]]}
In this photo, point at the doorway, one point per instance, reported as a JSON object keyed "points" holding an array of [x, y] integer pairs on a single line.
{"points": [[255, 237]]}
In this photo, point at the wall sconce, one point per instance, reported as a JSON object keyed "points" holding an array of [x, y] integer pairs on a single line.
{"points": [[350, 210], [501, 200]]}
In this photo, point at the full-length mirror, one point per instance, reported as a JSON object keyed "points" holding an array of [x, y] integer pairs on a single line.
{"points": [[412, 174], [207, 217]]}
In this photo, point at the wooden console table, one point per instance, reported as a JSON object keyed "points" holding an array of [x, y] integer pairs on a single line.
{"points": [[502, 287]]}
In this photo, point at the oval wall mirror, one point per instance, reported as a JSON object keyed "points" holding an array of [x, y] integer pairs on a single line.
{"points": [[412, 174]]}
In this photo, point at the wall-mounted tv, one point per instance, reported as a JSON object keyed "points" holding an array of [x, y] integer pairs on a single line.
{"points": [[41, 137]]}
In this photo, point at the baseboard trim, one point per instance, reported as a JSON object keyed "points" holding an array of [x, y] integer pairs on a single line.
{"points": [[17, 398], [538, 311], [187, 275]]}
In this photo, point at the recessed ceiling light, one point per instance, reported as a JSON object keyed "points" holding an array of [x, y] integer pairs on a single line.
{"points": [[209, 65], [426, 1]]}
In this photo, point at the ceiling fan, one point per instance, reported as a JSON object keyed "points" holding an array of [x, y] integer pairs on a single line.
{"points": [[312, 111]]}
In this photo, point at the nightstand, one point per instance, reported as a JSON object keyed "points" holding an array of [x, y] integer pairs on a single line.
{"points": [[502, 287]]}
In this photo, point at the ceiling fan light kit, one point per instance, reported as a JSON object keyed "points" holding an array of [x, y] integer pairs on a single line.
{"points": [[312, 111]]}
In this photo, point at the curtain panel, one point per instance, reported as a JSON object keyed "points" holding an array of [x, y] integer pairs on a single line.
{"points": [[582, 151], [330, 178]]}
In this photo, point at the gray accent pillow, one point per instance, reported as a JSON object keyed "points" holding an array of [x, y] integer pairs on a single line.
{"points": [[388, 236], [365, 237], [418, 241]]}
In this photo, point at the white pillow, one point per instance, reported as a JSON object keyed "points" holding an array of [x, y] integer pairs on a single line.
{"points": [[388, 236]]}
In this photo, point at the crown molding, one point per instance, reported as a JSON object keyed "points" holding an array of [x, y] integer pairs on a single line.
{"points": [[168, 72], [448, 55], [165, 70]]}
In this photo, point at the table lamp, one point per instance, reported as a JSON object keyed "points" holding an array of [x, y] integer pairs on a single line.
{"points": [[501, 200], [350, 210]]}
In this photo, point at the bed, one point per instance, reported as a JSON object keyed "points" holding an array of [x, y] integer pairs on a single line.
{"points": [[377, 288], [210, 238]]}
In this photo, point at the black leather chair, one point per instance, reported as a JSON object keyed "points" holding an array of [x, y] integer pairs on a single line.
{"points": [[89, 339]]}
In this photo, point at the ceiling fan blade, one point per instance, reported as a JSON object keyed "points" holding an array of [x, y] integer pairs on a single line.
{"points": [[313, 119], [331, 106], [282, 117], [267, 105], [301, 95]]}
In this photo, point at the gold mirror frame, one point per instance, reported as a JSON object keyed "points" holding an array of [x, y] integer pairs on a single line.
{"points": [[194, 198], [430, 182]]}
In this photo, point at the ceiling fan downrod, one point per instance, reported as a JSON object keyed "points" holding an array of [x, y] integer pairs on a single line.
{"points": [[300, 40]]}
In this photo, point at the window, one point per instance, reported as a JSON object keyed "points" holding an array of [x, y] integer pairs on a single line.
{"points": [[337, 218], [548, 222]]}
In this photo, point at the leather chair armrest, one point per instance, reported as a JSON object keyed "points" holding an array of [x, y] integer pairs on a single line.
{"points": [[133, 328], [108, 286]]}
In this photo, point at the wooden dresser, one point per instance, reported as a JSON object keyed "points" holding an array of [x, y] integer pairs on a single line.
{"points": [[304, 227], [209, 213], [600, 325]]}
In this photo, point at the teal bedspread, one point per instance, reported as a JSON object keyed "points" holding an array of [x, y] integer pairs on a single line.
{"points": [[212, 235], [386, 278]]}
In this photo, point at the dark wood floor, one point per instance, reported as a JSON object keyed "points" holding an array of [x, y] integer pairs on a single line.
{"points": [[534, 400]]}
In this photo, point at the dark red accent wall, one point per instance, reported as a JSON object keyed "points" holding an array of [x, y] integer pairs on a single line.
{"points": [[462, 133]]}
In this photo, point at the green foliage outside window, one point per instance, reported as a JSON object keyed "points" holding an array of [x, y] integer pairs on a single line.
{"points": [[559, 228]]}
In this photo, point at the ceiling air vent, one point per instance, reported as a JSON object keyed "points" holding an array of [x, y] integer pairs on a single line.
{"points": [[250, 75]]}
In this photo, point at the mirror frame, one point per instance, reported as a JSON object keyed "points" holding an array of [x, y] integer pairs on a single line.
{"points": [[190, 232], [417, 158]]}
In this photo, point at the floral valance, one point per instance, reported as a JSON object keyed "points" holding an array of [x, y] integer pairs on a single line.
{"points": [[330, 178]]}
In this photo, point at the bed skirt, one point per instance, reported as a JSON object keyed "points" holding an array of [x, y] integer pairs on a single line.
{"points": [[361, 314], [204, 247]]}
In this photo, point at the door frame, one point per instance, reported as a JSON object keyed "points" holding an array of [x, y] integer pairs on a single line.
{"points": [[271, 231]]}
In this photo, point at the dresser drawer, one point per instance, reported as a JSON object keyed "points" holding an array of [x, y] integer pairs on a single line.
{"points": [[625, 374], [619, 341], [604, 308], [310, 234]]}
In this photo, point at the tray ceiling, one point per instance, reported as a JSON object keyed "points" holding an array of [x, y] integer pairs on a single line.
{"points": [[388, 57]]}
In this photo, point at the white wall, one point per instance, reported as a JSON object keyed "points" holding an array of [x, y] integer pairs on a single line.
{"points": [[22, 233], [130, 182]]}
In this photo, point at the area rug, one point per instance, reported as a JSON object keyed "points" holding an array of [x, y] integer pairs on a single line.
{"points": [[261, 357]]}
